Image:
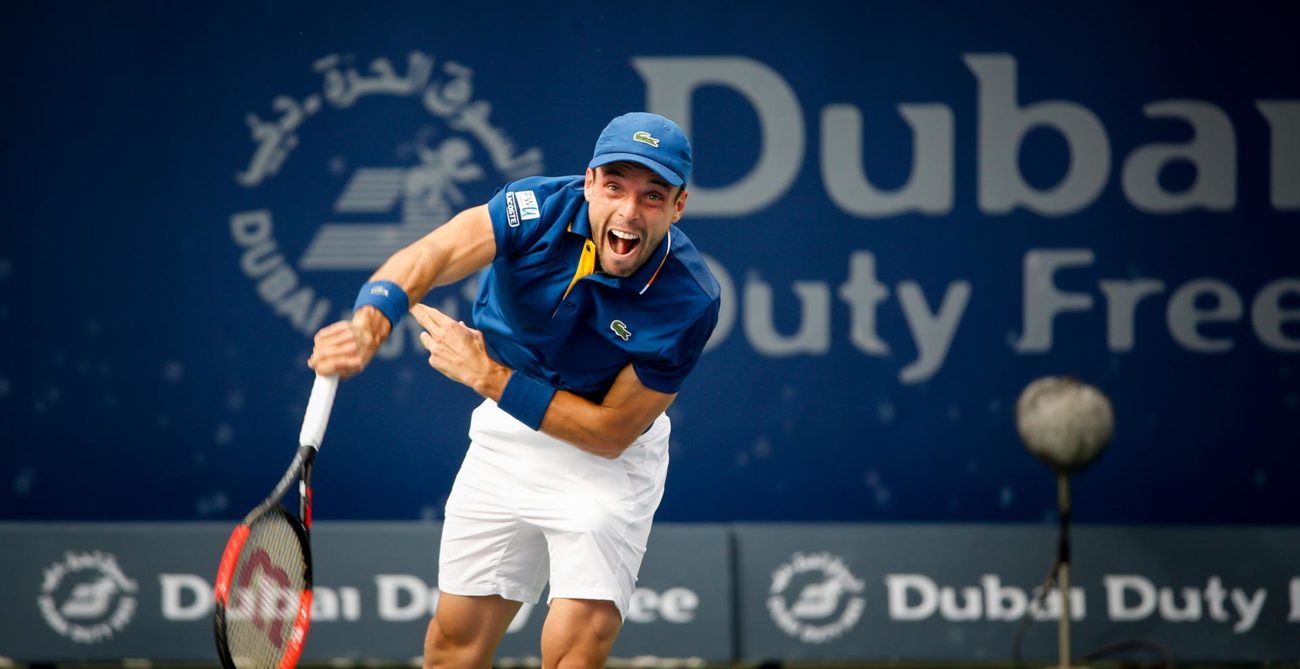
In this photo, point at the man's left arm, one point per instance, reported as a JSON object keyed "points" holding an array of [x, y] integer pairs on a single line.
{"points": [[604, 429], [608, 428]]}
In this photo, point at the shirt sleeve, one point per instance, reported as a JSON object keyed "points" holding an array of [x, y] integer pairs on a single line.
{"points": [[667, 372], [516, 212]]}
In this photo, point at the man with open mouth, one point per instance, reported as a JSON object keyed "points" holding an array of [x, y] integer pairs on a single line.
{"points": [[594, 309]]}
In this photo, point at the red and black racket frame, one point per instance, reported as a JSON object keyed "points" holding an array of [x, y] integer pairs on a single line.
{"points": [[300, 471]]}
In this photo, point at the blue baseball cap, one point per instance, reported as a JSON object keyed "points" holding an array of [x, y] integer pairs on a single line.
{"points": [[646, 139]]}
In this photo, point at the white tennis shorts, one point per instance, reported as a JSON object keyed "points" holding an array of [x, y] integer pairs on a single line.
{"points": [[527, 508]]}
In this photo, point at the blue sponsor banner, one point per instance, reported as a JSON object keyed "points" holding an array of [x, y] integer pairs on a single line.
{"points": [[860, 592], [108, 591], [714, 593], [913, 209]]}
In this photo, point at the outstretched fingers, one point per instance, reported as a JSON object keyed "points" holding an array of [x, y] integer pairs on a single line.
{"points": [[435, 324], [455, 349], [431, 319]]}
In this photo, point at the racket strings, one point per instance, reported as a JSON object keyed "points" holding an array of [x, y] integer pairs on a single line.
{"points": [[265, 593]]}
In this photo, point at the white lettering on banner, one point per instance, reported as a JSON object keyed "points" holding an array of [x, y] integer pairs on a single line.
{"points": [[383, 207], [863, 294], [928, 189], [1185, 313], [1248, 608], [932, 333], [813, 336], [674, 605], [185, 597], [1043, 301], [405, 597], [670, 83], [1215, 188], [335, 603], [1294, 615], [1131, 598], [277, 284], [1122, 298], [1191, 307], [398, 598], [1267, 315], [1184, 317], [1284, 154], [1002, 126], [916, 597]]}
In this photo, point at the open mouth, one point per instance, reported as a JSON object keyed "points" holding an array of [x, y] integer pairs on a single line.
{"points": [[622, 243]]}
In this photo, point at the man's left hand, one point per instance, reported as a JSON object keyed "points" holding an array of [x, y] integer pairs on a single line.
{"points": [[458, 351]]}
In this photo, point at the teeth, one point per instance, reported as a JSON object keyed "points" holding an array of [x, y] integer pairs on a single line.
{"points": [[624, 235]]}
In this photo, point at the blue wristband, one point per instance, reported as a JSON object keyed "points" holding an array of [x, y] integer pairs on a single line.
{"points": [[526, 399], [387, 297]]}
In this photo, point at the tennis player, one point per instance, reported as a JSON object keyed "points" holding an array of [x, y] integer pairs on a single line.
{"points": [[594, 309]]}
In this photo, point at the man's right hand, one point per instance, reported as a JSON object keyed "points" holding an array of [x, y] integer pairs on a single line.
{"points": [[346, 347]]}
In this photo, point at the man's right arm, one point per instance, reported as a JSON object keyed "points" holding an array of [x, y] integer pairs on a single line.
{"points": [[458, 248]]}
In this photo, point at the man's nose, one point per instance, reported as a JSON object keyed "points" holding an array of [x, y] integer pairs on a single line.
{"points": [[629, 208]]}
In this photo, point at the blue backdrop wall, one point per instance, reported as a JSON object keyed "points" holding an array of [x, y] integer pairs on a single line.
{"points": [[914, 210]]}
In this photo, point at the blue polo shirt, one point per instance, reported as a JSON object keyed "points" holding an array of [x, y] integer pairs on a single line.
{"points": [[657, 319]]}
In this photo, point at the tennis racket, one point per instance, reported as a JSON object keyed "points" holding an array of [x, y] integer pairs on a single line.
{"points": [[263, 587]]}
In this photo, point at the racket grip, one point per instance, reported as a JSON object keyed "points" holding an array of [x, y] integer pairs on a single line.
{"points": [[318, 411]]}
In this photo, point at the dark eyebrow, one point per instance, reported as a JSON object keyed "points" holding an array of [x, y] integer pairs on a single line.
{"points": [[614, 170], [621, 171]]}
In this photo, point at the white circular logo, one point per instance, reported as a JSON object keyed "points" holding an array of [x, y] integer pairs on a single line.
{"points": [[86, 597], [426, 140], [815, 598]]}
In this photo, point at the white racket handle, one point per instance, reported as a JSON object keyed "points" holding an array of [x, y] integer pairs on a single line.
{"points": [[318, 411]]}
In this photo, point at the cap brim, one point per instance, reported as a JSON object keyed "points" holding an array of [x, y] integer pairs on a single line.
{"points": [[655, 166]]}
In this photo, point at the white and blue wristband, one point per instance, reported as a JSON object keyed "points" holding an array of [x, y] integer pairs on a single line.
{"points": [[387, 297], [526, 398]]}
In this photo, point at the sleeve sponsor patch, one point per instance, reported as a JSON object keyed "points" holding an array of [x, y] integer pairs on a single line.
{"points": [[528, 208], [512, 214]]}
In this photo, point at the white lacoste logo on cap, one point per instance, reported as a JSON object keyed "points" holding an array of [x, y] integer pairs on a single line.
{"points": [[645, 138]]}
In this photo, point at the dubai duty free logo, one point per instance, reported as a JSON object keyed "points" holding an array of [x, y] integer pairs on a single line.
{"points": [[393, 187], [85, 597], [815, 598]]}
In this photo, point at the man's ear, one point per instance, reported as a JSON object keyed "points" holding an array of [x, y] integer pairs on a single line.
{"points": [[679, 204], [588, 183]]}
